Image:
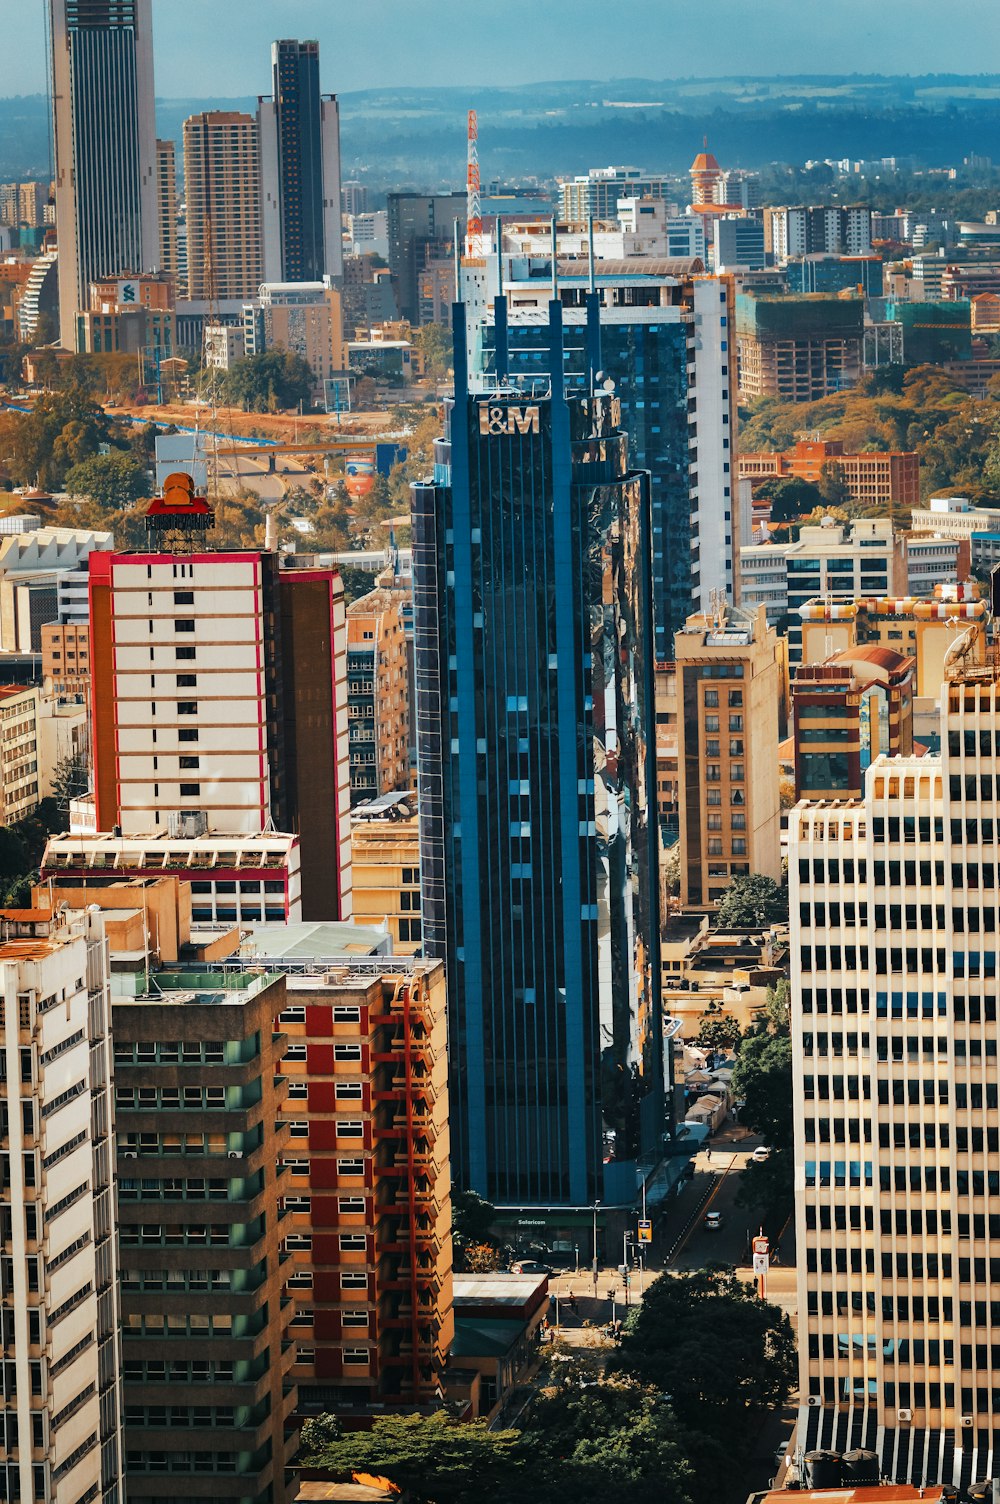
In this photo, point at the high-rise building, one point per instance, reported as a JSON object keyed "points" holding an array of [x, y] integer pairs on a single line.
{"points": [[728, 679], [385, 868], [19, 773], [225, 255], [220, 700], [300, 170], [354, 199], [166, 190], [739, 242], [105, 146], [798, 348], [666, 341], [599, 191], [61, 1396], [304, 317], [706, 174], [847, 710], [894, 912], [419, 224], [208, 1351], [539, 841], [368, 1182], [800, 230], [30, 204], [378, 694]]}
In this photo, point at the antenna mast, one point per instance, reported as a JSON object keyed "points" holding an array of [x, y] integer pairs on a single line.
{"points": [[473, 208]]}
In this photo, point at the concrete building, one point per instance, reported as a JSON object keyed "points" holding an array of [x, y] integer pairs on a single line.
{"points": [[848, 710], [931, 560], [299, 130], [798, 348], [19, 753], [65, 659], [727, 692], [887, 479], [599, 191], [303, 317], [841, 560], [954, 517], [378, 694], [208, 1350], [799, 230], [353, 198], [166, 185], [233, 880], [43, 578], [894, 902], [368, 1184], [61, 1397], [530, 868], [385, 868], [222, 196], [821, 272], [105, 146], [419, 224], [739, 242], [706, 176], [220, 697], [224, 345]]}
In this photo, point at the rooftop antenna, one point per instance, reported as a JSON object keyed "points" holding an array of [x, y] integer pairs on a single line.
{"points": [[592, 286], [555, 262], [473, 207]]}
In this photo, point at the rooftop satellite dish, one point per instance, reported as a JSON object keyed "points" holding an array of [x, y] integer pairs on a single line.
{"points": [[609, 383]]}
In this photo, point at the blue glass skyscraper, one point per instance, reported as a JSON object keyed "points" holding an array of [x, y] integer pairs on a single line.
{"points": [[533, 655]]}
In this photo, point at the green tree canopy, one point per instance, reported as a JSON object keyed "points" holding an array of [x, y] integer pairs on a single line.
{"points": [[751, 901], [115, 481], [719, 1031], [63, 429], [268, 382], [434, 343], [432, 1459], [724, 1356], [790, 497]]}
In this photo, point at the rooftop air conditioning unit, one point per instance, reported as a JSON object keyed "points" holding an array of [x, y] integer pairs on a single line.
{"points": [[236, 1154], [904, 1414], [129, 1154], [814, 1400], [967, 1421]]}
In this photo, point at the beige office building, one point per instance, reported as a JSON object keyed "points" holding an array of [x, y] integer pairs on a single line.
{"points": [[166, 191], [385, 867], [222, 194], [895, 908], [728, 687]]}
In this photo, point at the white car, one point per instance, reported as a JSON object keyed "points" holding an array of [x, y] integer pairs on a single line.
{"points": [[760, 1154], [713, 1221]]}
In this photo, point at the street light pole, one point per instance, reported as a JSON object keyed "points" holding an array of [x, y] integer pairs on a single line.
{"points": [[596, 1205]]}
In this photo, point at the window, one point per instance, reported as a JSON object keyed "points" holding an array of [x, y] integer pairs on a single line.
{"points": [[190, 790], [343, 1013], [348, 1091], [187, 707], [347, 1052], [184, 624], [183, 597], [356, 1357], [187, 734], [185, 652], [352, 1242], [190, 762], [351, 1204], [347, 1167], [354, 1281], [187, 681], [346, 1128]]}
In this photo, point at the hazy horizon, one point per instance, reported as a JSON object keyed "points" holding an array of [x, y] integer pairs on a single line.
{"points": [[465, 43]]}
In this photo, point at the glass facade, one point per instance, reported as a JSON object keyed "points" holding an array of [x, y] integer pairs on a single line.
{"points": [[648, 360], [538, 835], [300, 160]]}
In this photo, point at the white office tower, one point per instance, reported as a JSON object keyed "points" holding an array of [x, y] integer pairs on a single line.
{"points": [[895, 912], [107, 221], [60, 1400]]}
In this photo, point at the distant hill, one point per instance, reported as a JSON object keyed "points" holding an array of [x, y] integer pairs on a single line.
{"points": [[416, 136]]}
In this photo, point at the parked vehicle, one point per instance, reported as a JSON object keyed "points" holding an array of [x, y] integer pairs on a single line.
{"points": [[713, 1221], [531, 1266], [760, 1154]]}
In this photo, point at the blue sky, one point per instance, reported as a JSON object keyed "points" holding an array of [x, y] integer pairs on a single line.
{"points": [[219, 48]]}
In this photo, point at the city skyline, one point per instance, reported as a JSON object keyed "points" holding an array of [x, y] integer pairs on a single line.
{"points": [[389, 43]]}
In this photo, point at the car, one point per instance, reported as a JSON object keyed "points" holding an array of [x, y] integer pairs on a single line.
{"points": [[760, 1154], [531, 1266], [713, 1221]]}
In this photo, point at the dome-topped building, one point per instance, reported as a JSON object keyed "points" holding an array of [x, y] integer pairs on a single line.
{"points": [[705, 173]]}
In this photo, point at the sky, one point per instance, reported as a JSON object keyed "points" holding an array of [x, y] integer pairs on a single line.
{"points": [[220, 48]]}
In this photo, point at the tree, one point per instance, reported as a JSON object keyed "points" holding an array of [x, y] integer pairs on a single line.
{"points": [[114, 481], [762, 1080], [724, 1356], [62, 429], [833, 488], [472, 1217], [434, 343], [479, 1258], [718, 1032], [70, 779], [432, 1459], [790, 497], [751, 902], [268, 382]]}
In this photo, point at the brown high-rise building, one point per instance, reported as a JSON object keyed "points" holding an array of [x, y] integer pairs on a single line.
{"points": [[378, 686], [209, 1396], [705, 174], [166, 190], [222, 195], [848, 710], [369, 1183], [727, 690]]}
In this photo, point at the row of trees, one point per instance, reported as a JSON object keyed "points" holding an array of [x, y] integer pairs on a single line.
{"points": [[702, 1361]]}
